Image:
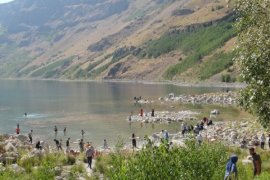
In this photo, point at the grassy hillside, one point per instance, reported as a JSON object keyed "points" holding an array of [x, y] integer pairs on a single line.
{"points": [[216, 64], [195, 44]]}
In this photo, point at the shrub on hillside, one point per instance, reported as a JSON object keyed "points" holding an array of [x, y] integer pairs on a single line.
{"points": [[191, 162]]}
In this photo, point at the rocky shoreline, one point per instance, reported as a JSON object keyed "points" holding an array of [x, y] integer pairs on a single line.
{"points": [[176, 83], [226, 98], [164, 117]]}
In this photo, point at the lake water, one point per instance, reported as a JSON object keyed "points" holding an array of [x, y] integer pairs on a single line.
{"points": [[100, 108]]}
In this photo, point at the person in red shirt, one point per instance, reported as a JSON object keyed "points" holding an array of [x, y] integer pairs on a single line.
{"points": [[18, 129]]}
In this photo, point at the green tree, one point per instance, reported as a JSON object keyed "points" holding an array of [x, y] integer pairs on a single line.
{"points": [[253, 52]]}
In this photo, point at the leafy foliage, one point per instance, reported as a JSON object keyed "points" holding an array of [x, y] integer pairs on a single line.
{"points": [[50, 70], [190, 162], [197, 44], [253, 56]]}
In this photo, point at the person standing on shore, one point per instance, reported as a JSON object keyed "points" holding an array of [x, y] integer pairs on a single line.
{"points": [[263, 139], [57, 143], [141, 112], [90, 155], [257, 162], [30, 136], [134, 142], [105, 145], [81, 145], [55, 132], [68, 145], [18, 129], [60, 145], [65, 130], [153, 113], [83, 132]]}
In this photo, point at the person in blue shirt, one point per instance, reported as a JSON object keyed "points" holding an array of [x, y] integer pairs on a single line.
{"points": [[231, 169], [166, 136]]}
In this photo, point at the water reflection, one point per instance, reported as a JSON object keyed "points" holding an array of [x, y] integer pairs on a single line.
{"points": [[98, 108]]}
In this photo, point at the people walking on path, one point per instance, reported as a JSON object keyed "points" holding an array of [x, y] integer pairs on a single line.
{"points": [[90, 155], [257, 162]]}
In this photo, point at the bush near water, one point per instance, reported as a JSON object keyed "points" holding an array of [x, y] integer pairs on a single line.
{"points": [[192, 162]]}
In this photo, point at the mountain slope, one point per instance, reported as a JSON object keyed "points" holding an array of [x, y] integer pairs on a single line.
{"points": [[112, 39]]}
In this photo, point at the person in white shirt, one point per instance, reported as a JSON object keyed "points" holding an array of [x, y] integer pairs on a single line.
{"points": [[262, 139]]}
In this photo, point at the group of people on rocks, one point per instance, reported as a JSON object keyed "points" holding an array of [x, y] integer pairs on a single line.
{"points": [[256, 141], [197, 128]]}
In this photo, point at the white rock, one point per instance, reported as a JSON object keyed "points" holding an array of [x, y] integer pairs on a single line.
{"points": [[10, 147]]}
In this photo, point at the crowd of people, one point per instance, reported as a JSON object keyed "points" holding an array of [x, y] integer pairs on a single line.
{"points": [[86, 148]]}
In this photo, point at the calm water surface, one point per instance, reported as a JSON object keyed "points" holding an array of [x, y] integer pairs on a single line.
{"points": [[100, 108]]}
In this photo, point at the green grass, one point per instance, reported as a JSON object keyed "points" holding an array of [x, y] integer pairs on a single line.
{"points": [[14, 60], [200, 43], [194, 43], [215, 65], [136, 14], [50, 68]]}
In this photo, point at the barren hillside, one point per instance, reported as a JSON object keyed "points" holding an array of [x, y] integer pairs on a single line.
{"points": [[115, 39]]}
